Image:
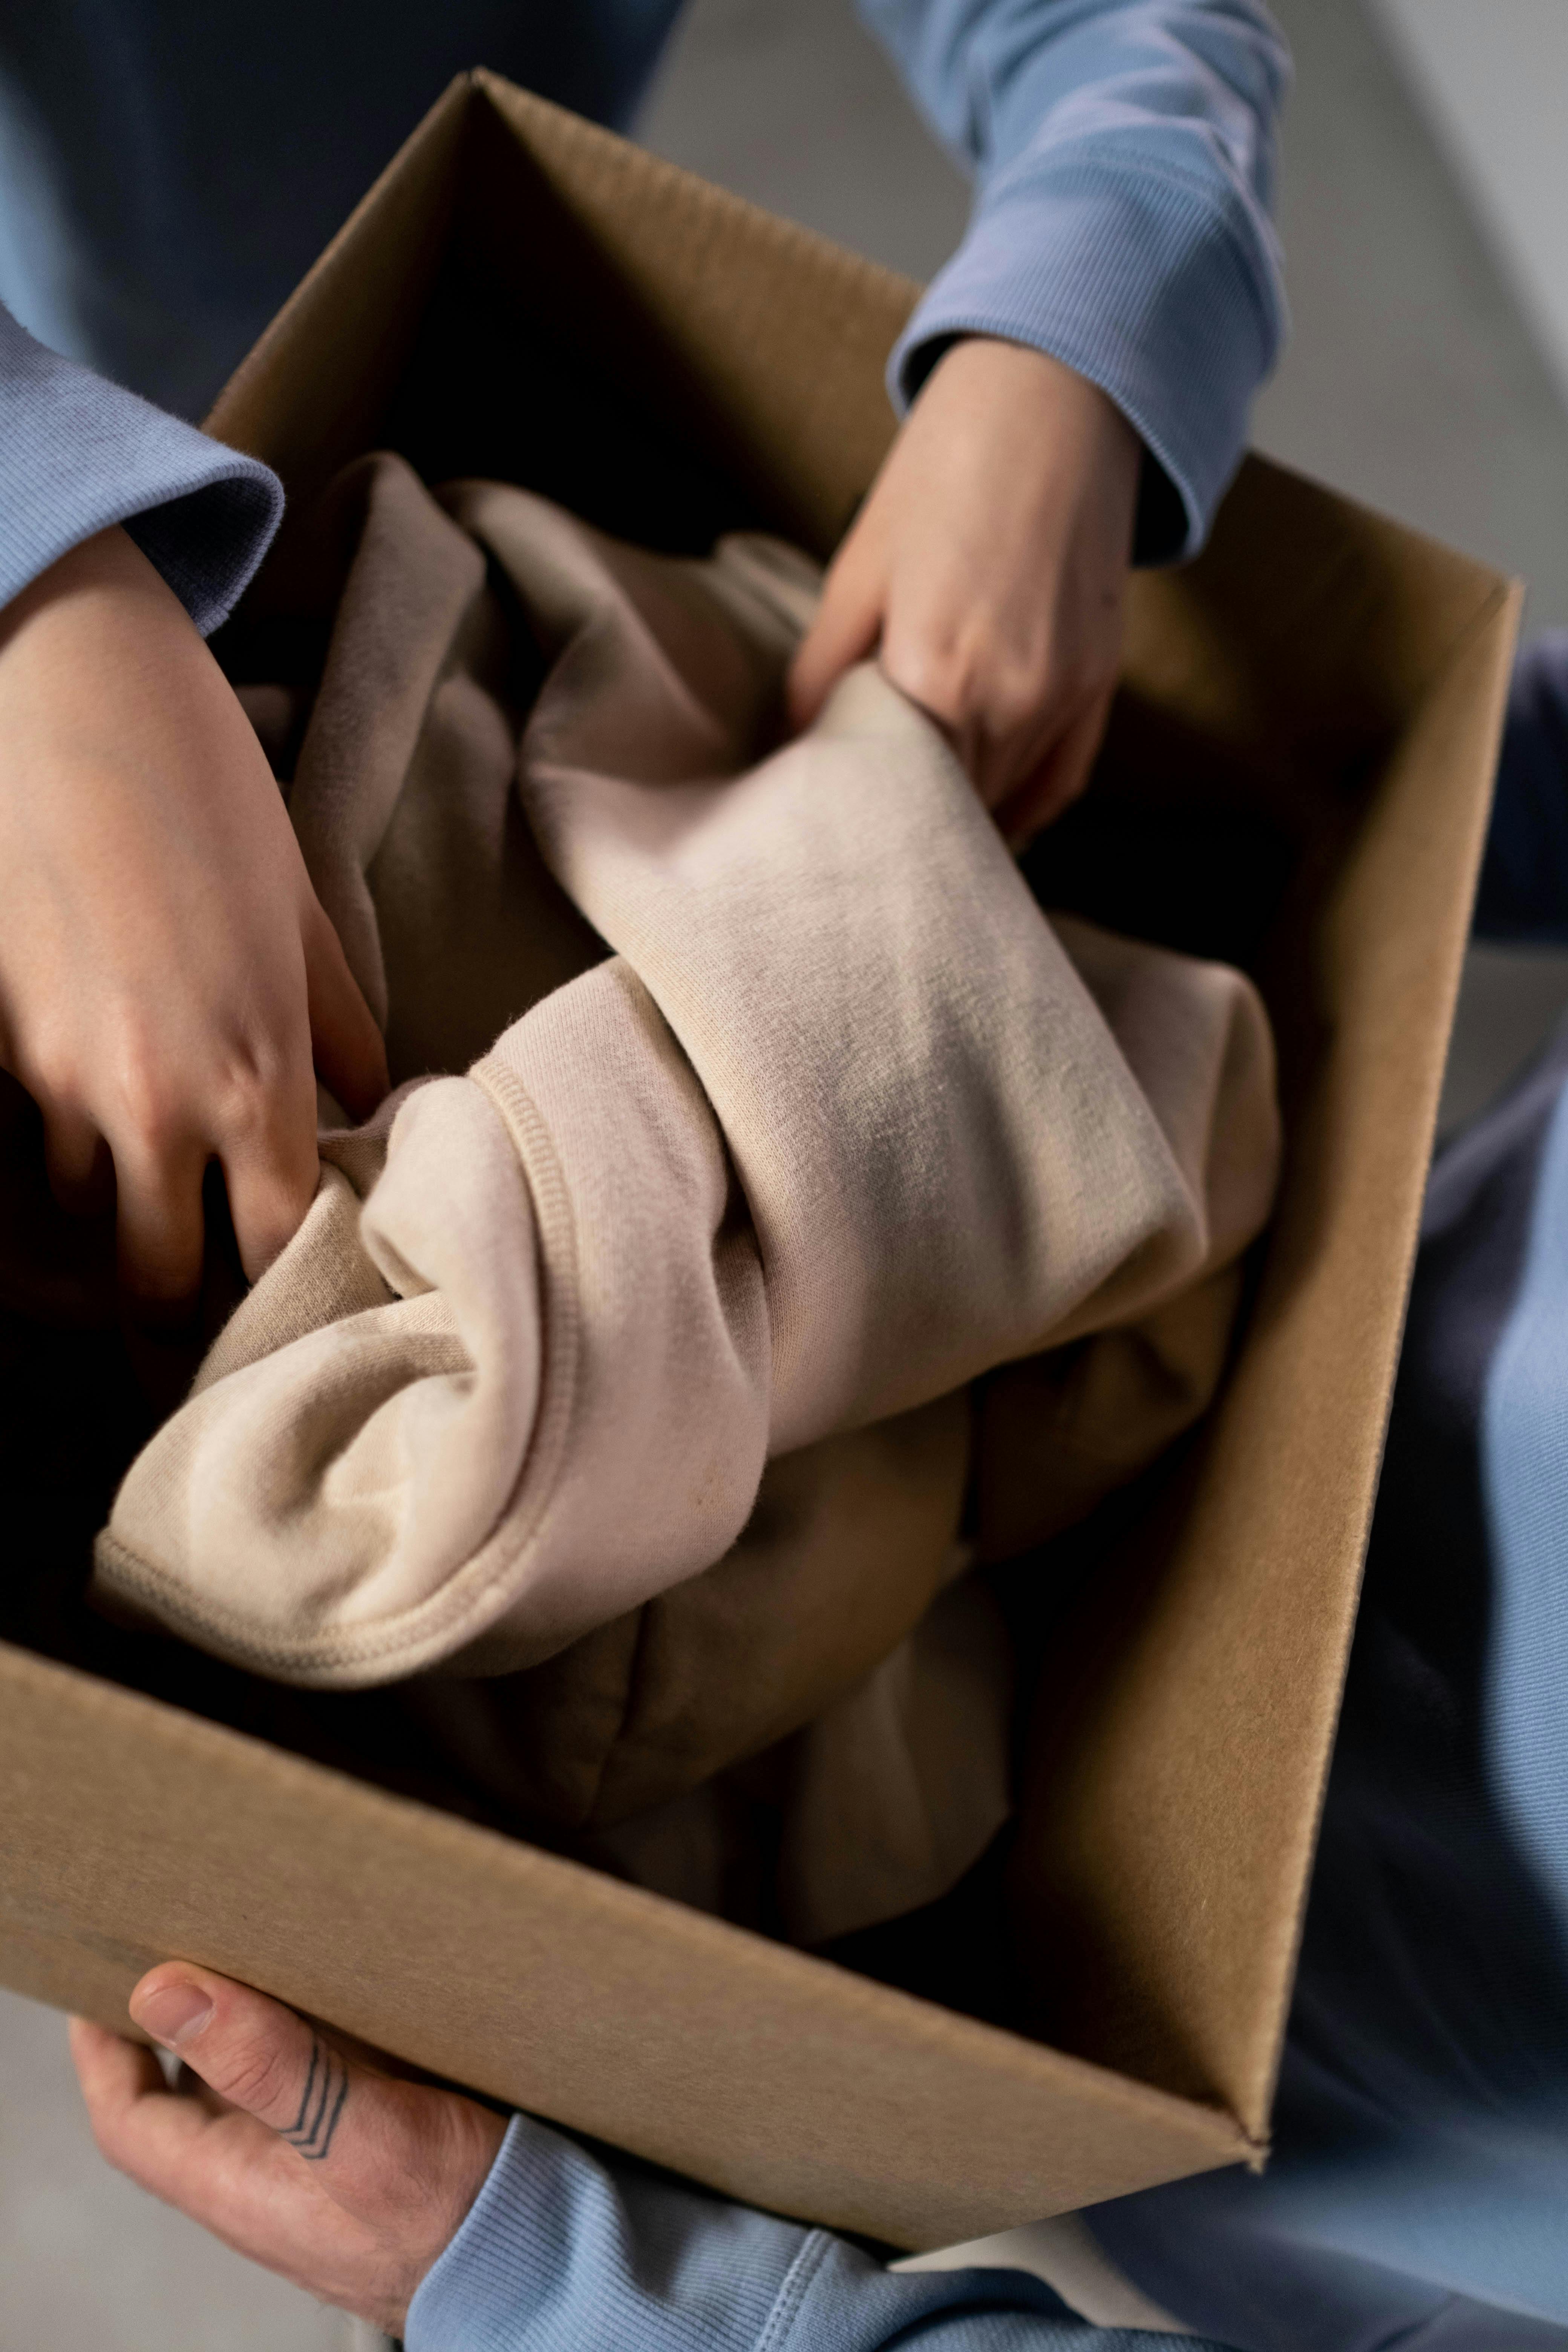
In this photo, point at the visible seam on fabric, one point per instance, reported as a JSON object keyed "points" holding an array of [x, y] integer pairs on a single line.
{"points": [[628, 1697], [1412, 2334], [797, 2282], [475, 1582]]}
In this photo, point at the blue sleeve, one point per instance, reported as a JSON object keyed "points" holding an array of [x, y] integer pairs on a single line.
{"points": [[1125, 156], [78, 453], [1524, 880], [563, 2253]]}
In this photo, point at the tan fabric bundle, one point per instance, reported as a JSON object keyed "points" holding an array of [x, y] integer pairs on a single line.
{"points": [[786, 1116]]}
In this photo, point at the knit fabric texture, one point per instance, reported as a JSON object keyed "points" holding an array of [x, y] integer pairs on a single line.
{"points": [[566, 2252], [78, 454], [624, 1366], [841, 1124], [170, 169]]}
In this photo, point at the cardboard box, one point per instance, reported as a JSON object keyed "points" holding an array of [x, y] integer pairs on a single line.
{"points": [[1297, 775]]}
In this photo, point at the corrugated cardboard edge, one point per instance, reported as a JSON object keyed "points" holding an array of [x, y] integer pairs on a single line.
{"points": [[1206, 1725], [805, 2090], [1470, 695]]}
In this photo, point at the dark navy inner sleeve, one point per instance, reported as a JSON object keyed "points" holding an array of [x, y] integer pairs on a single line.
{"points": [[1524, 881]]}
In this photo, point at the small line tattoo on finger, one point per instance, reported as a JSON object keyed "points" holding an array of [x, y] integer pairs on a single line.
{"points": [[321, 2103]]}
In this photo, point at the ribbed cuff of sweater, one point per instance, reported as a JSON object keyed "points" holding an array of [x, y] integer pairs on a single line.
{"points": [[559, 2252], [78, 453], [1145, 283], [564, 2252]]}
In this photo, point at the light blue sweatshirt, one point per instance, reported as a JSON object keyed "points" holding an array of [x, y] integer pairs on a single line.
{"points": [[566, 2254], [170, 168]]}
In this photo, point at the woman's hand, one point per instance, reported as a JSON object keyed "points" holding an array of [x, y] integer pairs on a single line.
{"points": [[167, 976], [289, 2150], [989, 566]]}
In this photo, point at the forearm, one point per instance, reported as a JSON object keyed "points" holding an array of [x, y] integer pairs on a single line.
{"points": [[563, 2253], [1125, 160], [78, 453]]}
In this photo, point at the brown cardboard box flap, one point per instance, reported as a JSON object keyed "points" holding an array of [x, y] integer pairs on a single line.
{"points": [[778, 2077], [1296, 776], [1184, 1728]]}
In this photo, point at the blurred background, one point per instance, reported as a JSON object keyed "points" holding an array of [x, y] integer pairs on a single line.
{"points": [[1423, 211]]}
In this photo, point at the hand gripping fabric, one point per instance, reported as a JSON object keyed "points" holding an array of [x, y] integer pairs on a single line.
{"points": [[749, 1110]]}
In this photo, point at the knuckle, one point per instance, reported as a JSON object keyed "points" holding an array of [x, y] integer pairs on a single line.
{"points": [[143, 1090], [1005, 691], [244, 1097], [1017, 703], [256, 2075], [261, 1093], [49, 1067], [938, 675]]}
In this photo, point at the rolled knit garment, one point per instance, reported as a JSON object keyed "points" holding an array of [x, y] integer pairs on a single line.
{"points": [[842, 1123], [877, 1806], [946, 1161]]}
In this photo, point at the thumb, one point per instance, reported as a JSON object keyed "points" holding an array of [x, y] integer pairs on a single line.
{"points": [[345, 2179], [258, 2057]]}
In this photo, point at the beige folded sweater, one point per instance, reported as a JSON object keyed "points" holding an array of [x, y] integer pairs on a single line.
{"points": [[749, 1110]]}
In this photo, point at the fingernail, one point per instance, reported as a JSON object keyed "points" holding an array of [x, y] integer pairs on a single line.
{"points": [[174, 2014]]}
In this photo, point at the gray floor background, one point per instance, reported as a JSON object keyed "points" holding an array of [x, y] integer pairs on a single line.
{"points": [[1412, 381]]}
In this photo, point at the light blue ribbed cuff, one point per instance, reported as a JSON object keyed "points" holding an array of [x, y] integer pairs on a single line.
{"points": [[565, 2251], [505, 2259], [1149, 285], [562, 2252], [78, 453]]}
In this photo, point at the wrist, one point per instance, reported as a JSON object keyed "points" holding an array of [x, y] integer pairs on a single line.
{"points": [[1027, 418], [109, 563], [997, 361]]}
